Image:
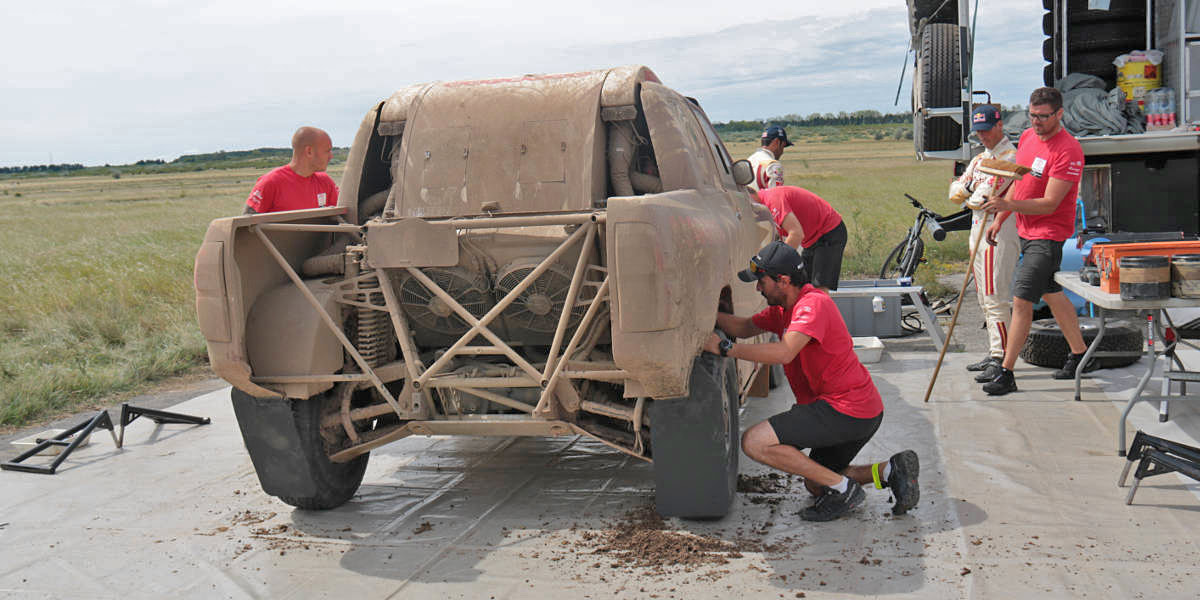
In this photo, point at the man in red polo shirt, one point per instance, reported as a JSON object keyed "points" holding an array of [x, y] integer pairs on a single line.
{"points": [[300, 184], [1044, 201], [837, 407], [805, 220]]}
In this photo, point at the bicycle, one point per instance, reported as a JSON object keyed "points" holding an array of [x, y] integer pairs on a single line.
{"points": [[904, 259]]}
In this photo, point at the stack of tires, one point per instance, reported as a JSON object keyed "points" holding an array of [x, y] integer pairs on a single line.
{"points": [[1093, 37], [938, 73]]}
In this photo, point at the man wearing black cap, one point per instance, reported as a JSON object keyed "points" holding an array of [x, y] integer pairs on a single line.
{"points": [[837, 407], [994, 263], [768, 171]]}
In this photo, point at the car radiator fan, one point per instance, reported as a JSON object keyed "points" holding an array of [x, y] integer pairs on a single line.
{"points": [[537, 309], [433, 320]]}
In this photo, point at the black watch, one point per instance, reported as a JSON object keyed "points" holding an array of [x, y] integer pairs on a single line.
{"points": [[725, 346]]}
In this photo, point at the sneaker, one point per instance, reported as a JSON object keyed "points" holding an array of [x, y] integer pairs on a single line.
{"points": [[1004, 383], [983, 364], [1068, 369], [989, 373], [903, 481], [833, 504]]}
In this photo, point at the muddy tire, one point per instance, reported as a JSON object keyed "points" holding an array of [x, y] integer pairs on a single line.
{"points": [[284, 441], [1046, 346], [695, 441]]}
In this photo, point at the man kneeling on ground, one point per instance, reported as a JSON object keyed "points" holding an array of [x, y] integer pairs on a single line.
{"points": [[837, 407]]}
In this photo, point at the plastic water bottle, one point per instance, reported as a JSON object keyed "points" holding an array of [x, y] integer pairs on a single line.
{"points": [[1167, 99]]}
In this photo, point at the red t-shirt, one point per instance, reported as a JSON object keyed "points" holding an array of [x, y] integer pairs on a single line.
{"points": [[826, 368], [283, 189], [815, 215], [1060, 157]]}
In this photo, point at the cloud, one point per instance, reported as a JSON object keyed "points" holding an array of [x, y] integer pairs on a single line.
{"points": [[156, 78]]}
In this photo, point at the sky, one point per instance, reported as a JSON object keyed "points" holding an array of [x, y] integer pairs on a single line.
{"points": [[113, 83]]}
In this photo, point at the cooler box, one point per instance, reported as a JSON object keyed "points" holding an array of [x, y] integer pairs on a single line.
{"points": [[875, 313], [1107, 256]]}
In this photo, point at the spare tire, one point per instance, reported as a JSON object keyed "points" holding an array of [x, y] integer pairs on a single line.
{"points": [[937, 83], [933, 11], [1046, 346]]}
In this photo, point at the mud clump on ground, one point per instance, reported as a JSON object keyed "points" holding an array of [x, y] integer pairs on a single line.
{"points": [[767, 483], [642, 540]]}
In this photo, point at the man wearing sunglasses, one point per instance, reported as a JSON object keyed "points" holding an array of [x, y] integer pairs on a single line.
{"points": [[837, 407], [1044, 203]]}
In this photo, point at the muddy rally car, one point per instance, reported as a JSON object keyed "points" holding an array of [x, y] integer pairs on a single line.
{"points": [[539, 255]]}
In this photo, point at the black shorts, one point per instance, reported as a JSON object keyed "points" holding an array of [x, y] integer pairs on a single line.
{"points": [[835, 438], [1040, 260], [823, 259]]}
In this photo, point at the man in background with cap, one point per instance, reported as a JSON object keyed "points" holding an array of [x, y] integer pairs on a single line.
{"points": [[994, 263], [768, 171], [838, 407]]}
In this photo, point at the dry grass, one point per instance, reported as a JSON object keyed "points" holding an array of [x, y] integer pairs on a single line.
{"points": [[96, 294], [96, 273]]}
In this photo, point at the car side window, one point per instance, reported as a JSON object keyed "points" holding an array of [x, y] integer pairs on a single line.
{"points": [[719, 154]]}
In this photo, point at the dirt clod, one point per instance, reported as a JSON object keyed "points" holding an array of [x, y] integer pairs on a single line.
{"points": [[767, 483]]}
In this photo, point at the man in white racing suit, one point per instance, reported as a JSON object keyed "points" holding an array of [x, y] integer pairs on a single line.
{"points": [[768, 172], [994, 265]]}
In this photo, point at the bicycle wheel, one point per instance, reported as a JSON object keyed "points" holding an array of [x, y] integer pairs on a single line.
{"points": [[912, 258], [902, 261]]}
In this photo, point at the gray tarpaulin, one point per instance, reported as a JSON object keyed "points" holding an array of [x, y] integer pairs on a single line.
{"points": [[1088, 109]]}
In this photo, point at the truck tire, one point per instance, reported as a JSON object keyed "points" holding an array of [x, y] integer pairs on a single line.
{"points": [[284, 441], [946, 12], [1046, 346], [938, 84], [695, 443]]}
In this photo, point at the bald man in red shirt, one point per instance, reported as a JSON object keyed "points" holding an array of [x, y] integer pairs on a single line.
{"points": [[300, 184]]}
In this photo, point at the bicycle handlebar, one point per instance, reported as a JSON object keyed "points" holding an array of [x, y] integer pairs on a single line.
{"points": [[936, 229]]}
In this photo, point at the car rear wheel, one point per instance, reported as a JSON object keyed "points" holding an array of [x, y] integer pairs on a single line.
{"points": [[695, 443], [283, 438]]}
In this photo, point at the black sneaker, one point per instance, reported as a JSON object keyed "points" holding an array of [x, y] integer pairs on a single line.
{"points": [[983, 364], [1004, 383], [833, 504], [989, 373], [903, 481], [1068, 369]]}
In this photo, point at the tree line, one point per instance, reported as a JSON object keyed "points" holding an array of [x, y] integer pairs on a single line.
{"points": [[858, 117]]}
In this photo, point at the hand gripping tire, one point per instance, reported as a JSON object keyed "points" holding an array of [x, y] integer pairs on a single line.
{"points": [[283, 438], [1046, 346], [695, 442]]}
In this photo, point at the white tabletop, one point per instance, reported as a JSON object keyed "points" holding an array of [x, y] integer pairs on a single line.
{"points": [[1070, 280]]}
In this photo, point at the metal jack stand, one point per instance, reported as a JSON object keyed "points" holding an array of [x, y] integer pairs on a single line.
{"points": [[1158, 456], [84, 429], [130, 413]]}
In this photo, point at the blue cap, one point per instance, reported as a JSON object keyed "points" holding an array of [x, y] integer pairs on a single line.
{"points": [[773, 132], [984, 117]]}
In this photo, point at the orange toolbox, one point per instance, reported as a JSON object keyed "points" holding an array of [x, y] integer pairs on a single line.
{"points": [[1107, 256]]}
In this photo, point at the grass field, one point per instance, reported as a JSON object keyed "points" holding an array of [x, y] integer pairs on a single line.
{"points": [[97, 300]]}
